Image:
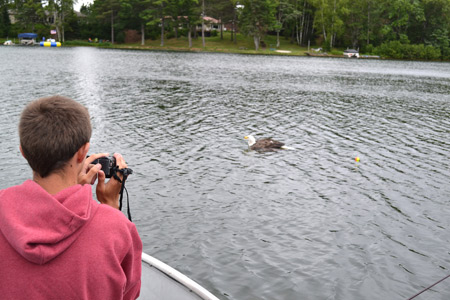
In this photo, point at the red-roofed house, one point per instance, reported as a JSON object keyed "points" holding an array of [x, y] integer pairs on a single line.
{"points": [[210, 24]]}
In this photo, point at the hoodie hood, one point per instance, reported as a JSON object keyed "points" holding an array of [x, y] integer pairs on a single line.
{"points": [[40, 226]]}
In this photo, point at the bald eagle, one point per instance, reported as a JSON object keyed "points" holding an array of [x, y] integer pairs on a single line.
{"points": [[266, 144]]}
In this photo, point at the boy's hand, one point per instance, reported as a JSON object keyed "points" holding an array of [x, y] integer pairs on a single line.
{"points": [[108, 193], [89, 172]]}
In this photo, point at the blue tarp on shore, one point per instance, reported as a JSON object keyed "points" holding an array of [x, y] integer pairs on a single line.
{"points": [[27, 35]]}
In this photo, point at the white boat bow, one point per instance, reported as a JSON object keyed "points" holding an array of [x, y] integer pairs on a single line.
{"points": [[161, 281]]}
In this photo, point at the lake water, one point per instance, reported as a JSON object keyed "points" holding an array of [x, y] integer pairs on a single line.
{"points": [[308, 223]]}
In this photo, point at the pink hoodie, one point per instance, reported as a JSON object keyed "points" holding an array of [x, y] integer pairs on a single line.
{"points": [[65, 246]]}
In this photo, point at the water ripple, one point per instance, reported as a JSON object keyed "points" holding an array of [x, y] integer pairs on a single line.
{"points": [[308, 223]]}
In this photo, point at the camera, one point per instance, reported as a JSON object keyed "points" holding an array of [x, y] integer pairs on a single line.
{"points": [[108, 163]]}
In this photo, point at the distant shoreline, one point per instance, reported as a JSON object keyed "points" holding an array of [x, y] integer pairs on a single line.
{"points": [[223, 46], [303, 53]]}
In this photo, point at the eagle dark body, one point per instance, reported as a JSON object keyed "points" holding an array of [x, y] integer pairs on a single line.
{"points": [[266, 144]]}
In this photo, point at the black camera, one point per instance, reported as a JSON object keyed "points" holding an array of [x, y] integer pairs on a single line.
{"points": [[108, 163]]}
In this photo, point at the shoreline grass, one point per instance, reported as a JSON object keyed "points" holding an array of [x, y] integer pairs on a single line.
{"points": [[244, 45]]}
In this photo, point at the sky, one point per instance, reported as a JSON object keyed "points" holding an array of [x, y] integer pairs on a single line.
{"points": [[80, 3]]}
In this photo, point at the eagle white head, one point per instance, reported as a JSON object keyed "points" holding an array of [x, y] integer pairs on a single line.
{"points": [[250, 139]]}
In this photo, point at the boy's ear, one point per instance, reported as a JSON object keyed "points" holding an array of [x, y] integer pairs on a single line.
{"points": [[82, 152]]}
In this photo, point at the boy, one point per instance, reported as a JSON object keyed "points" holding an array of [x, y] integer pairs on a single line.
{"points": [[56, 242]]}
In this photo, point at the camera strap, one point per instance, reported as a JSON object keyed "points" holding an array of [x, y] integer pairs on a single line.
{"points": [[125, 172]]}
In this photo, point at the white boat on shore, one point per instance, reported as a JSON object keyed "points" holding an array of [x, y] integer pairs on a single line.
{"points": [[162, 282], [351, 53]]}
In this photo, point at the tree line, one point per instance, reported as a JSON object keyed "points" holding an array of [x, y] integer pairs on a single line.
{"points": [[397, 27]]}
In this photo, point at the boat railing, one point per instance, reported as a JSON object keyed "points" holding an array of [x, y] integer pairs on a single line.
{"points": [[179, 277]]}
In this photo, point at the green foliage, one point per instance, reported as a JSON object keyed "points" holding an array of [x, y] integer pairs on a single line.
{"points": [[432, 53], [397, 50], [170, 35], [256, 18], [326, 45], [220, 9], [367, 48], [406, 29], [153, 13], [329, 19], [5, 24], [41, 30], [183, 32], [152, 32], [13, 31], [120, 37], [440, 38]]}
